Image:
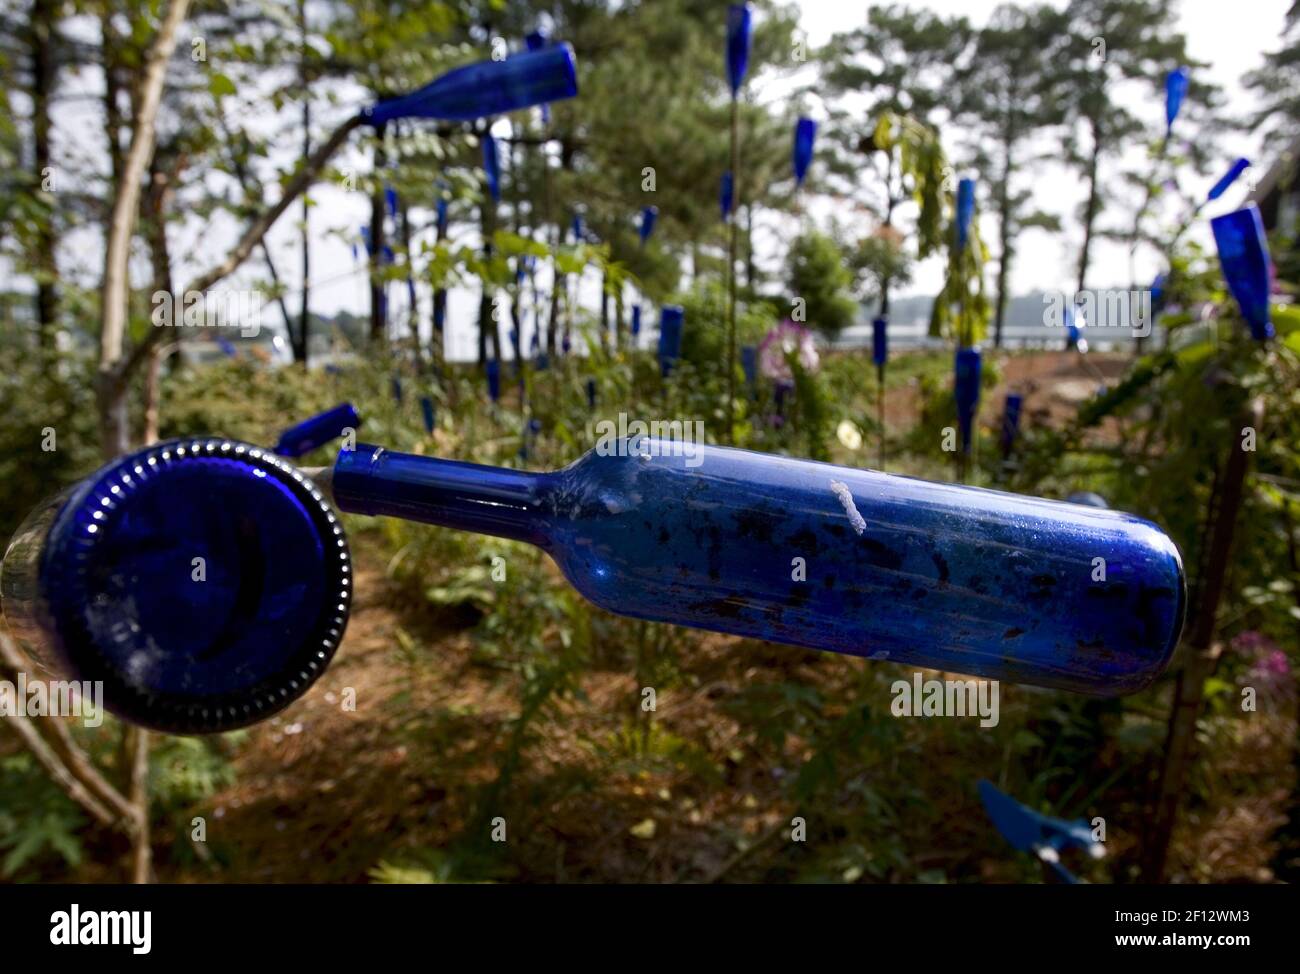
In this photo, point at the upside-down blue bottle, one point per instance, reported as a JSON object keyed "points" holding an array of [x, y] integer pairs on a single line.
{"points": [[204, 582]]}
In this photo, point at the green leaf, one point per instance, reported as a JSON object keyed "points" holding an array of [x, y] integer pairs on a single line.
{"points": [[219, 85]]}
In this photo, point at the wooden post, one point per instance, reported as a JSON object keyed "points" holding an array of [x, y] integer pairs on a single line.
{"points": [[731, 273], [1202, 651]]}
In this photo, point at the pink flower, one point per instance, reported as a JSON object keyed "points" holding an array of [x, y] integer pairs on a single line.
{"points": [[785, 340], [1269, 667]]}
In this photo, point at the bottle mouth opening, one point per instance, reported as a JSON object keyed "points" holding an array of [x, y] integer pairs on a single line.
{"points": [[205, 583]]}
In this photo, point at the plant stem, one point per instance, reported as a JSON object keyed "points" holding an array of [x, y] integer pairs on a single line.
{"points": [[731, 273]]}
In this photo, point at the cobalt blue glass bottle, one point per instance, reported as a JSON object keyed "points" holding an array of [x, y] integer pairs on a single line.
{"points": [[853, 561], [671, 319], [749, 366], [1230, 177], [880, 341], [205, 582], [966, 389], [965, 211], [805, 133], [492, 167], [649, 216], [318, 430], [739, 28], [1247, 267], [1176, 85], [1010, 422], [487, 88]]}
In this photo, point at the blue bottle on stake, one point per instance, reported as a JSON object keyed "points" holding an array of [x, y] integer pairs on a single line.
{"points": [[1176, 85], [965, 211], [671, 320], [880, 341], [966, 370], [1010, 422], [317, 430], [805, 134], [649, 216], [749, 365], [1247, 267], [739, 29]]}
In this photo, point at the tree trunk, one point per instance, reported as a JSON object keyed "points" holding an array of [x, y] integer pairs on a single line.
{"points": [[553, 316], [413, 313], [1090, 211], [153, 220], [299, 341], [137, 749], [1202, 649], [110, 45], [891, 203], [487, 326], [604, 310], [112, 385], [300, 337], [618, 318], [1004, 267], [43, 78], [1004, 242], [750, 273], [378, 285]]}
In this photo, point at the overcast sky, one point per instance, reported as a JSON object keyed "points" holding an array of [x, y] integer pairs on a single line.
{"points": [[1228, 36], [1231, 45]]}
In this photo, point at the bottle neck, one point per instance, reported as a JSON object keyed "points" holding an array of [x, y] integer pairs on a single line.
{"points": [[466, 496]]}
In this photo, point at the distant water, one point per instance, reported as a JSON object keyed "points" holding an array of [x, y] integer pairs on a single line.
{"points": [[915, 334], [1023, 327]]}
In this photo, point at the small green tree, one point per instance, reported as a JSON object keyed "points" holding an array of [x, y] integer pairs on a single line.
{"points": [[905, 61], [820, 283]]}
